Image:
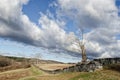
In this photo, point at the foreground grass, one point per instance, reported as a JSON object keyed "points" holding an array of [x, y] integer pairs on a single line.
{"points": [[99, 75], [21, 74], [29, 78], [15, 74], [35, 74], [35, 71]]}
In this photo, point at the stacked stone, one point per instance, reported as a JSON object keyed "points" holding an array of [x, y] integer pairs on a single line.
{"points": [[83, 67], [107, 61], [88, 66]]}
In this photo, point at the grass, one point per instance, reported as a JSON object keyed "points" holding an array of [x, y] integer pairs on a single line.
{"points": [[115, 67], [11, 71], [29, 78], [15, 74], [110, 72], [21, 74], [99, 75], [82, 76], [35, 71], [62, 76]]}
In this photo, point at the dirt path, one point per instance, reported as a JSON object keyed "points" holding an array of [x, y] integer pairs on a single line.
{"points": [[14, 74]]}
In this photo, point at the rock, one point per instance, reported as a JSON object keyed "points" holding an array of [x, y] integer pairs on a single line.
{"points": [[90, 66]]}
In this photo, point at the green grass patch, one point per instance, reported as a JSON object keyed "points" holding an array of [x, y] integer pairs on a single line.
{"points": [[84, 76], [28, 78], [100, 75], [35, 71]]}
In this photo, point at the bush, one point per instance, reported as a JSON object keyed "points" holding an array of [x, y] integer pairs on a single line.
{"points": [[14, 66], [115, 67], [4, 62], [10, 64]]}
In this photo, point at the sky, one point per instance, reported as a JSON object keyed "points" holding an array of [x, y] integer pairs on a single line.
{"points": [[47, 29]]}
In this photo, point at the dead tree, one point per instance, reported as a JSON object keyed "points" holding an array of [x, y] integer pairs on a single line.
{"points": [[37, 58], [81, 45], [83, 52]]}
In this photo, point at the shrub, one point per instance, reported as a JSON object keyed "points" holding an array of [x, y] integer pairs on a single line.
{"points": [[115, 67], [4, 62]]}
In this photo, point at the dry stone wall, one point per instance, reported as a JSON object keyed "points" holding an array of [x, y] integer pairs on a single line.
{"points": [[89, 66], [107, 61]]}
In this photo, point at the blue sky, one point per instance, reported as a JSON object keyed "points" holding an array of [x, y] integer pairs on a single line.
{"points": [[32, 9]]}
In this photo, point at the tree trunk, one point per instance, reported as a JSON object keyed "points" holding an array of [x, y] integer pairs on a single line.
{"points": [[83, 51]]}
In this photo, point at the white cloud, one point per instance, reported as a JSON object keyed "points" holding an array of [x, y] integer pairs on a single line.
{"points": [[103, 22], [101, 18], [15, 25]]}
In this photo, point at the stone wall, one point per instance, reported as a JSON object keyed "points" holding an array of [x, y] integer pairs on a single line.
{"points": [[89, 66], [107, 61], [83, 67]]}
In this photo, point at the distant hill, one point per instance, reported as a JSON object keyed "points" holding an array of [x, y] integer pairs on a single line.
{"points": [[11, 63], [31, 60], [49, 62]]}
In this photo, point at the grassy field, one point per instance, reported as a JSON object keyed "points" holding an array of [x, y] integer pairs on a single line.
{"points": [[33, 73], [20, 74], [99, 75], [110, 72], [54, 66]]}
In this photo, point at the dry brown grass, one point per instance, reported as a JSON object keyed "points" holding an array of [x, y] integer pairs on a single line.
{"points": [[99, 75], [33, 74], [7, 64], [14, 66], [15, 74], [115, 67], [62, 76], [54, 66], [20, 74]]}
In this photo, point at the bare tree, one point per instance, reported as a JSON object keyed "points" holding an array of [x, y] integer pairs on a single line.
{"points": [[81, 45], [37, 57]]}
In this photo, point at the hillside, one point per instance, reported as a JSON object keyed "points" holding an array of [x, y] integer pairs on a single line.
{"points": [[30, 60], [12, 63], [14, 70]]}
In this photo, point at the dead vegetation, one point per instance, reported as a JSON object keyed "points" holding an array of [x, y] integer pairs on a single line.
{"points": [[36, 74], [53, 66], [115, 67], [7, 64], [19, 69], [14, 74]]}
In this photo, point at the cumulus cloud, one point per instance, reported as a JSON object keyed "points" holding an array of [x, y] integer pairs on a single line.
{"points": [[101, 18], [15, 25], [103, 23]]}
